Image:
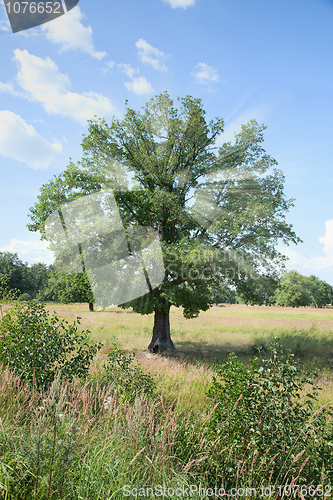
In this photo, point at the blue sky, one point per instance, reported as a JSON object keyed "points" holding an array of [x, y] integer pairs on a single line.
{"points": [[272, 61]]}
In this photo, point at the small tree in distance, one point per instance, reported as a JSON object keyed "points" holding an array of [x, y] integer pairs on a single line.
{"points": [[296, 290], [66, 288], [322, 292], [219, 213]]}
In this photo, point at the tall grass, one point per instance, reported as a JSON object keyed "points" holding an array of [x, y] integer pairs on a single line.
{"points": [[85, 441], [78, 441], [82, 441]]}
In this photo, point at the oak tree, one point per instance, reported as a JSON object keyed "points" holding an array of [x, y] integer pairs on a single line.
{"points": [[219, 211]]}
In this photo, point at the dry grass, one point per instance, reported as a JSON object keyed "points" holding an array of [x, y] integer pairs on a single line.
{"points": [[175, 377], [208, 340]]}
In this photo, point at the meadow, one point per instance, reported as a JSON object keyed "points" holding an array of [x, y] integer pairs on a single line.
{"points": [[205, 425], [206, 341]]}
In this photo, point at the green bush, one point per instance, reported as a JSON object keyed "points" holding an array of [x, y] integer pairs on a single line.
{"points": [[25, 297], [262, 416], [120, 373], [37, 345]]}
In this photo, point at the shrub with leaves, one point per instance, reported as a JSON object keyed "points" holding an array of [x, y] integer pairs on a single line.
{"points": [[264, 421], [7, 294], [38, 345], [25, 297], [130, 379]]}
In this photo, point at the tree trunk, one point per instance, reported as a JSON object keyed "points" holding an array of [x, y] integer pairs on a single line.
{"points": [[161, 340], [91, 306]]}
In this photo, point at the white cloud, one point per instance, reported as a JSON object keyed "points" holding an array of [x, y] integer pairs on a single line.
{"points": [[20, 141], [327, 241], [322, 262], [30, 251], [4, 26], [42, 81], [128, 70], [8, 88], [180, 3], [68, 32], [205, 74], [150, 55], [109, 65], [139, 86], [234, 125], [296, 259]]}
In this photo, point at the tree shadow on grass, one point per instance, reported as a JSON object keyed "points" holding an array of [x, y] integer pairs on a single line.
{"points": [[119, 312], [212, 354], [312, 348]]}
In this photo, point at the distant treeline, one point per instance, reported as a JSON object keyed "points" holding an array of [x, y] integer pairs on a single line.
{"points": [[48, 284], [43, 282], [292, 289]]}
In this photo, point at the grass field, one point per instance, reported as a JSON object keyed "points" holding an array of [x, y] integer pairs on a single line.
{"points": [[90, 438], [207, 340]]}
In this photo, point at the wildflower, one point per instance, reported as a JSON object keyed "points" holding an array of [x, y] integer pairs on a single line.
{"points": [[107, 402]]}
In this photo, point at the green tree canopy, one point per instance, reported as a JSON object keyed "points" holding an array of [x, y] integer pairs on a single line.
{"points": [[293, 290], [19, 276], [258, 291], [37, 277], [296, 290], [219, 212], [322, 292], [14, 271], [67, 287]]}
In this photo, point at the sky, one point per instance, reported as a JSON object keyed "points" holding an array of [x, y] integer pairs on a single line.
{"points": [[271, 61]]}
